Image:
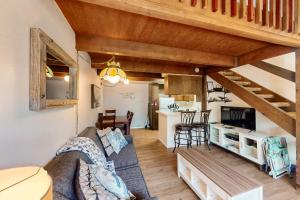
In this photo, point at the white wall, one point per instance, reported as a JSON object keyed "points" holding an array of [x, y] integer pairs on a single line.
{"points": [[277, 84], [27, 137], [87, 76], [133, 97]]}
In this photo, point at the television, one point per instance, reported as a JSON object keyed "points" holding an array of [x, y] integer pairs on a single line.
{"points": [[239, 117]]}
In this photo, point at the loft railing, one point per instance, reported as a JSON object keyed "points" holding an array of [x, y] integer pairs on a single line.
{"points": [[274, 15]]}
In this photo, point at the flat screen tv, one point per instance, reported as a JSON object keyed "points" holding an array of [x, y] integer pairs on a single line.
{"points": [[239, 117]]}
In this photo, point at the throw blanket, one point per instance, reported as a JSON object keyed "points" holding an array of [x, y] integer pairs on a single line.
{"points": [[86, 146]]}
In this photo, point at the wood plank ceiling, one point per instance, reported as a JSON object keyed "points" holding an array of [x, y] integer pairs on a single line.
{"points": [[168, 47]]}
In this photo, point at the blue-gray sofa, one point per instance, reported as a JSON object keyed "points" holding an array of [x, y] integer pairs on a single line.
{"points": [[63, 168]]}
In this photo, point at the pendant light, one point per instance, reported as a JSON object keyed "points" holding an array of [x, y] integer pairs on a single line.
{"points": [[113, 73]]}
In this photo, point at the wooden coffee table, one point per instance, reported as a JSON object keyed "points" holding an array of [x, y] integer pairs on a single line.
{"points": [[213, 180]]}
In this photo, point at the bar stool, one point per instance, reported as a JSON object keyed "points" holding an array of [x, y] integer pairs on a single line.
{"points": [[184, 129], [201, 128]]}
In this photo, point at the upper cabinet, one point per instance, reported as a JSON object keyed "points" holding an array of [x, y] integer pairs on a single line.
{"points": [[53, 74], [181, 85]]}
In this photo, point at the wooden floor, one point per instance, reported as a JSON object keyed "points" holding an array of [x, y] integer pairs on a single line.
{"points": [[159, 168]]}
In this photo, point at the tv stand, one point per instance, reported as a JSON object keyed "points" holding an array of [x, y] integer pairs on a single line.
{"points": [[239, 141]]}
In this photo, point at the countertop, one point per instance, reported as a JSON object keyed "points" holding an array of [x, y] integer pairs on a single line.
{"points": [[167, 112]]}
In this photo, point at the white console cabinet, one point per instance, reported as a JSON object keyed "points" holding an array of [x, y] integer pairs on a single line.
{"points": [[240, 141]]}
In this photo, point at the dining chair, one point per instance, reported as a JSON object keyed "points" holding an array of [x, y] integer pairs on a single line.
{"points": [[110, 112], [130, 118], [201, 128], [105, 121], [123, 127], [183, 130]]}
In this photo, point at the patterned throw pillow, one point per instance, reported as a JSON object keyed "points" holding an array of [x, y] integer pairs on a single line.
{"points": [[106, 144], [112, 182], [87, 146], [88, 187], [117, 140]]}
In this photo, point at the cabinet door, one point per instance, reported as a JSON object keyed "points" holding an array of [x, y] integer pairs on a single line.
{"points": [[178, 84]]}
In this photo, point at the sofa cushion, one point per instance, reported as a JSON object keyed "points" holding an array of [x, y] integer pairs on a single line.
{"points": [[112, 182], [102, 134], [62, 169], [117, 140], [91, 132], [87, 186], [126, 157], [134, 180]]}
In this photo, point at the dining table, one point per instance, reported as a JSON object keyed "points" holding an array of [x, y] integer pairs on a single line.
{"points": [[121, 120]]}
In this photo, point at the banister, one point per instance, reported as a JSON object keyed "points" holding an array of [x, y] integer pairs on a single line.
{"points": [[282, 15]]}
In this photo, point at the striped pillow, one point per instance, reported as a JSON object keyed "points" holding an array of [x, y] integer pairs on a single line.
{"points": [[106, 144]]}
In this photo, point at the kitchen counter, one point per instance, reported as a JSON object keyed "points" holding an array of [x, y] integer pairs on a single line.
{"points": [[166, 126], [169, 113]]}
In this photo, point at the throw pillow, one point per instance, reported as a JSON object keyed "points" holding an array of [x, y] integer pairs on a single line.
{"points": [[112, 182], [117, 140], [106, 144], [87, 146], [87, 187]]}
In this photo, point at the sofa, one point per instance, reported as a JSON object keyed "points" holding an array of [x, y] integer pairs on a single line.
{"points": [[63, 168]]}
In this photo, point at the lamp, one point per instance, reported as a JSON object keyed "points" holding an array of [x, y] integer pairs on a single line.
{"points": [[113, 73], [26, 183], [49, 72], [67, 78]]}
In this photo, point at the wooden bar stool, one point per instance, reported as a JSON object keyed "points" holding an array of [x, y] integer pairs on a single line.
{"points": [[201, 128], [184, 129]]}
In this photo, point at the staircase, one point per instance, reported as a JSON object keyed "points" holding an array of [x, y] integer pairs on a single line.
{"points": [[277, 108]]}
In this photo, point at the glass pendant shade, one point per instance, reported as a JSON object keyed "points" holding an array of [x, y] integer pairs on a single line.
{"points": [[113, 73], [49, 72]]}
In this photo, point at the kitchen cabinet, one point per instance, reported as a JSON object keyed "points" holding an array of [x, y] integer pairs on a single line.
{"points": [[183, 85]]}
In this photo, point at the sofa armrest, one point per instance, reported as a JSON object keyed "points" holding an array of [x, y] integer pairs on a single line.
{"points": [[128, 138], [151, 198]]}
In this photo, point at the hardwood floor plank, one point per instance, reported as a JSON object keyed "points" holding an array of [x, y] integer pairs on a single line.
{"points": [[159, 167]]}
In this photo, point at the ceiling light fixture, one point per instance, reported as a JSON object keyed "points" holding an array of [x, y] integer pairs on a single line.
{"points": [[49, 72], [67, 78], [113, 73]]}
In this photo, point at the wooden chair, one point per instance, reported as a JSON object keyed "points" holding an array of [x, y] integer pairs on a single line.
{"points": [[129, 116], [184, 129], [110, 112], [201, 128], [106, 121]]}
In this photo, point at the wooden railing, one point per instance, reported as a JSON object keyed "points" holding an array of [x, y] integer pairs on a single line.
{"points": [[279, 15]]}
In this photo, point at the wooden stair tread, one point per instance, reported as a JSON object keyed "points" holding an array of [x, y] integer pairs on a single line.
{"points": [[253, 89], [266, 96], [281, 104], [243, 83], [234, 78], [226, 73], [292, 114]]}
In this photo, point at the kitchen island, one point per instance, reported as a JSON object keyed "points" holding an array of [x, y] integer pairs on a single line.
{"points": [[166, 126]]}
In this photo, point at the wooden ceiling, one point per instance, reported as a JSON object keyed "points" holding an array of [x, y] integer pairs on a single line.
{"points": [[111, 31]]}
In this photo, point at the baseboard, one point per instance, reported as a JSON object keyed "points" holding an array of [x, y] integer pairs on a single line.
{"points": [[142, 127]]}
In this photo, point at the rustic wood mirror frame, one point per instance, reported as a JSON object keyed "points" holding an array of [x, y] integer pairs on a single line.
{"points": [[40, 44]]}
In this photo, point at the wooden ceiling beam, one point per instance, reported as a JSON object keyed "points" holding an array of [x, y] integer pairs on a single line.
{"points": [[176, 12], [263, 53], [139, 74], [152, 67], [97, 44]]}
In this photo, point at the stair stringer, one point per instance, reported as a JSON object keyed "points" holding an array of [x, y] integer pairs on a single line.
{"points": [[277, 115]]}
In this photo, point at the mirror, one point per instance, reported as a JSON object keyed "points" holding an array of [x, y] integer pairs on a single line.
{"points": [[57, 79], [53, 74]]}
